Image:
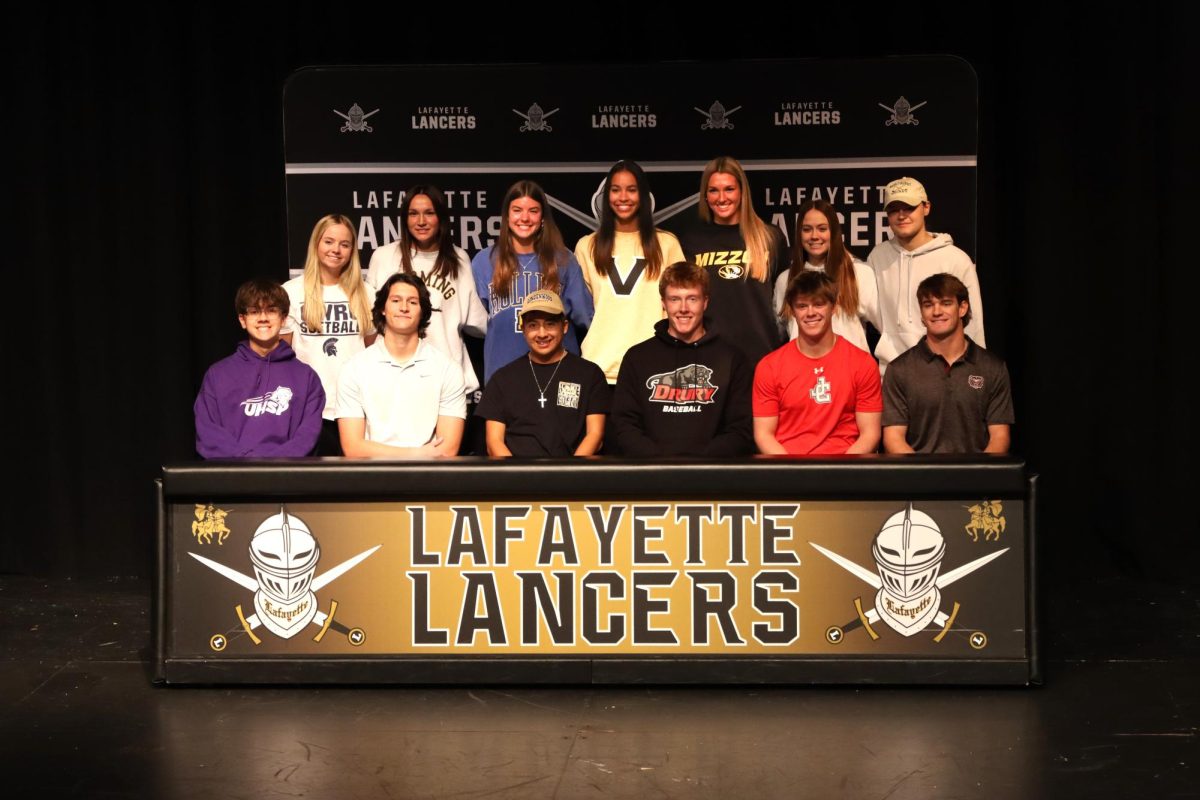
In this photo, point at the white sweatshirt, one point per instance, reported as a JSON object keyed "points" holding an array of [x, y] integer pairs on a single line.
{"points": [[898, 272]]}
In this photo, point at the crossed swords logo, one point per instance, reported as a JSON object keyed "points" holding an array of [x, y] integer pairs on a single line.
{"points": [[834, 634], [356, 120], [324, 621]]}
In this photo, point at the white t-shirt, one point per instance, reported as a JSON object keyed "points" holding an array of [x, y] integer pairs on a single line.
{"points": [[401, 401], [327, 351], [456, 306]]}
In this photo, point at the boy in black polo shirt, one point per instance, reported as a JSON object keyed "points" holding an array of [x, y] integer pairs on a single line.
{"points": [[548, 402], [946, 394]]}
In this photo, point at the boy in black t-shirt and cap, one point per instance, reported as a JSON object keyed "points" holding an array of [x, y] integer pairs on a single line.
{"points": [[548, 402]]}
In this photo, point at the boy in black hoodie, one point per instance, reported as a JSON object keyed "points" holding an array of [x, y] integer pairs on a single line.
{"points": [[685, 391]]}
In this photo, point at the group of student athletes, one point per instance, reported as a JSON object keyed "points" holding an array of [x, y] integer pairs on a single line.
{"points": [[751, 348]]}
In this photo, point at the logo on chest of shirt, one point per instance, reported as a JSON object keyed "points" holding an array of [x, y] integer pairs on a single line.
{"points": [[338, 321], [975, 381], [687, 385], [275, 402], [625, 286], [568, 394], [730, 264], [822, 392]]}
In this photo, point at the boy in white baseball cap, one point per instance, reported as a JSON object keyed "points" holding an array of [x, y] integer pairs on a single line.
{"points": [[909, 257]]}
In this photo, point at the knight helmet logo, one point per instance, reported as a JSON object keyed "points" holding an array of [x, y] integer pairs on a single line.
{"points": [[283, 556], [329, 347], [356, 120], [908, 552], [902, 112], [535, 119], [717, 117]]}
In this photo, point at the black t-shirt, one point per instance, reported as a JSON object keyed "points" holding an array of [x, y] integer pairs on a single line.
{"points": [[552, 429]]}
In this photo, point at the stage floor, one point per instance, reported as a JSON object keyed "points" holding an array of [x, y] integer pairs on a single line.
{"points": [[1118, 717]]}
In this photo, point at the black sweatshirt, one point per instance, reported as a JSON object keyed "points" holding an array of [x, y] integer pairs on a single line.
{"points": [[674, 398]]}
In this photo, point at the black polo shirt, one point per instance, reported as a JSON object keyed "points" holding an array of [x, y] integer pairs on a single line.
{"points": [[947, 408]]}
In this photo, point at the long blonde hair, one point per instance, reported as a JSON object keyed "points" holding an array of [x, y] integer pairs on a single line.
{"points": [[350, 279], [754, 231]]}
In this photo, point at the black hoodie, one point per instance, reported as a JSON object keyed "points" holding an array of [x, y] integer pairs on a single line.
{"points": [[675, 398]]}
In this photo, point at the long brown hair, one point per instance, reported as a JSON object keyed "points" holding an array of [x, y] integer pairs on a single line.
{"points": [[839, 264], [446, 265], [602, 244], [547, 244], [754, 231]]}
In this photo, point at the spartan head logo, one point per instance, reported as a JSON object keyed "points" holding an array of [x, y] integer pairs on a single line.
{"points": [[329, 348], [690, 384], [356, 120]]}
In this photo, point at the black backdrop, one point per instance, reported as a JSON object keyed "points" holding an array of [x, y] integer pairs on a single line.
{"points": [[146, 178]]}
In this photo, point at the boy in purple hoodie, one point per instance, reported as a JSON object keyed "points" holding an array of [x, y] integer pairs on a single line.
{"points": [[260, 402]]}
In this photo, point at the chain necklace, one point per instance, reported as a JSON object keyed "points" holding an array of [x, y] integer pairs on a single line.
{"points": [[541, 391]]}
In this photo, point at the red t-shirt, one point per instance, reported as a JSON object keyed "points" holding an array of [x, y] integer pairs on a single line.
{"points": [[815, 399]]}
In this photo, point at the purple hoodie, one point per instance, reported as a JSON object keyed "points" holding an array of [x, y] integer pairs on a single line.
{"points": [[255, 407]]}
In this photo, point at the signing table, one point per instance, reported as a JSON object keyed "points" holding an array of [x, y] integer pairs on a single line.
{"points": [[764, 570]]}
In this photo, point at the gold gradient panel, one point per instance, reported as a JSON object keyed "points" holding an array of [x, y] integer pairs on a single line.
{"points": [[376, 597]]}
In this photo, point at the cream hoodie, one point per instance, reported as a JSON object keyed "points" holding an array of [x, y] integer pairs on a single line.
{"points": [[898, 272]]}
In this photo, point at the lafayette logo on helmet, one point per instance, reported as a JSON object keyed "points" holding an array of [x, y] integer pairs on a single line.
{"points": [[908, 552], [284, 555], [690, 384]]}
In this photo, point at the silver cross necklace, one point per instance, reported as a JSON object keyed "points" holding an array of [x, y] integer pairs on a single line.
{"points": [[541, 391]]}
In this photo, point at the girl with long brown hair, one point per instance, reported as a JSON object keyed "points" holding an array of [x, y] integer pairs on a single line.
{"points": [[529, 255], [426, 247], [818, 245]]}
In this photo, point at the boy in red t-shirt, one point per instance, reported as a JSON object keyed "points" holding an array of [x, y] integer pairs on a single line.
{"points": [[818, 394]]}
